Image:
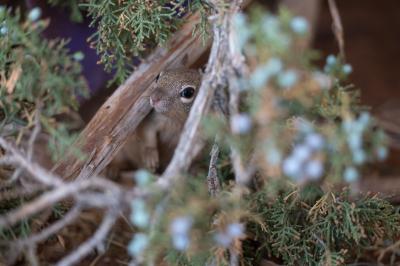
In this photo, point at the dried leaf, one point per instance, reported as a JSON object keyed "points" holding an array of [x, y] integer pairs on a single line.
{"points": [[12, 81]]}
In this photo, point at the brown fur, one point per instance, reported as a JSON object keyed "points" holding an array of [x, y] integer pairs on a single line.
{"points": [[153, 144]]}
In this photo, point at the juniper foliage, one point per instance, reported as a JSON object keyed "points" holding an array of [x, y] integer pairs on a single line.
{"points": [[129, 28], [331, 230], [72, 6], [304, 226], [38, 76]]}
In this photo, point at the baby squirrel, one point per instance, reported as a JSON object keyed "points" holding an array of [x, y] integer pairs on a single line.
{"points": [[155, 139]]}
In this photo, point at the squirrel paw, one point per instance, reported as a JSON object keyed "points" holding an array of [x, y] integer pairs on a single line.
{"points": [[112, 171], [151, 160]]}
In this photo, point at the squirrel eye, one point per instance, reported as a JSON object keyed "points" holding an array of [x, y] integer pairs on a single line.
{"points": [[187, 94]]}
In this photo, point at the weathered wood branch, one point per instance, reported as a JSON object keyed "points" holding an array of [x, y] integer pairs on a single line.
{"points": [[124, 110]]}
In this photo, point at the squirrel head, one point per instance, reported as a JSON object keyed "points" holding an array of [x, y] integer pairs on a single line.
{"points": [[174, 92]]}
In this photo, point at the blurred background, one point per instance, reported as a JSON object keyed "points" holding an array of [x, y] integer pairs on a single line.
{"points": [[372, 42]]}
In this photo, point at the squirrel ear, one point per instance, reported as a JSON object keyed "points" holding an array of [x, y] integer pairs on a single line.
{"points": [[184, 60], [202, 69]]}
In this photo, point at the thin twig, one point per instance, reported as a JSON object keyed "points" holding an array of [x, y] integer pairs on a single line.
{"points": [[61, 190], [35, 170], [31, 256], [67, 190], [237, 70], [46, 200], [212, 177], [392, 248], [234, 257], [337, 27], [7, 160], [51, 230], [35, 133], [16, 174], [31, 143], [96, 240], [19, 192], [213, 79]]}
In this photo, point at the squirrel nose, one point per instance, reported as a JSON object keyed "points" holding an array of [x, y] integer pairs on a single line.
{"points": [[155, 97], [154, 100]]}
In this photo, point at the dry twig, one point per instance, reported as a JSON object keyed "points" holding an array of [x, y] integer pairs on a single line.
{"points": [[212, 178], [97, 240], [70, 217], [337, 27], [215, 78]]}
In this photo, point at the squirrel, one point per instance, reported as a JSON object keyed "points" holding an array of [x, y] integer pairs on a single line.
{"points": [[154, 141]]}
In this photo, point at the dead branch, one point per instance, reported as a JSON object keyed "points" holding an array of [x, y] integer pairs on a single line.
{"points": [[214, 78], [108, 196], [19, 192], [95, 241], [52, 229], [35, 133], [41, 175], [237, 70], [72, 189], [212, 178], [337, 27], [234, 257], [46, 200], [31, 255], [111, 197]]}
